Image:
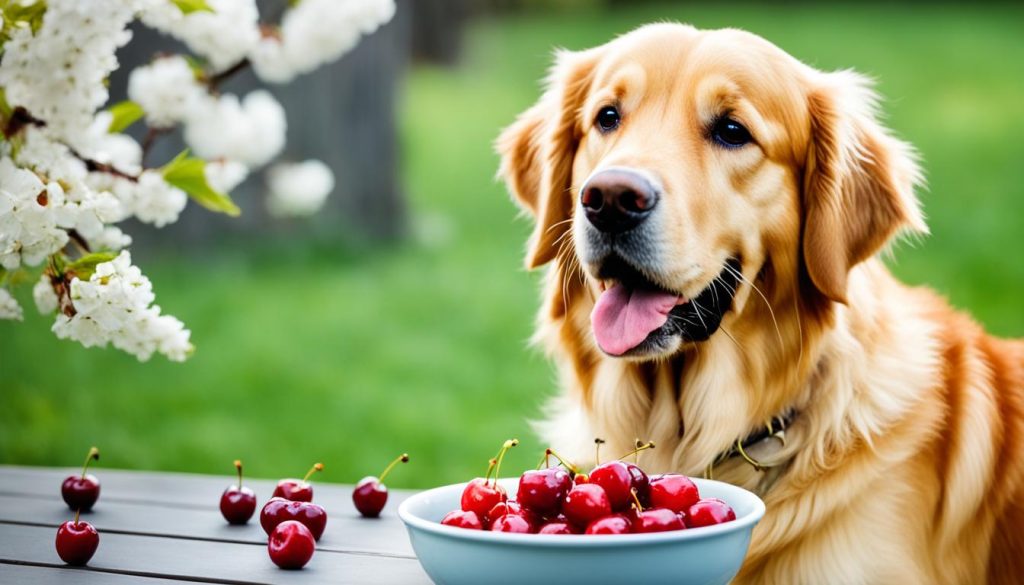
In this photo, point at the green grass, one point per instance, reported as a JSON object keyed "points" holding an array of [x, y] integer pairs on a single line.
{"points": [[307, 352]]}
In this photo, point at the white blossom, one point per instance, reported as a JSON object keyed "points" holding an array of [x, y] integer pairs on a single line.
{"points": [[223, 37], [9, 307], [28, 224], [156, 201], [298, 189], [59, 73], [44, 152], [251, 131], [224, 175], [166, 89], [314, 33], [98, 144], [113, 306], [85, 210], [42, 293], [111, 238]]}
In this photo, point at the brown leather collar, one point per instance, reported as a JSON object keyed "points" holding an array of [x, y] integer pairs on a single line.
{"points": [[773, 430]]}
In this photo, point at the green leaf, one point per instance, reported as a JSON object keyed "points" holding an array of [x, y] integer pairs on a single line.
{"points": [[85, 266], [197, 66], [189, 174], [17, 14], [190, 6], [5, 108], [125, 114]]}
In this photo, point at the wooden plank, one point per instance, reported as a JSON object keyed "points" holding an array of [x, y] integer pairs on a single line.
{"points": [[196, 560], [46, 575], [167, 489], [346, 530]]}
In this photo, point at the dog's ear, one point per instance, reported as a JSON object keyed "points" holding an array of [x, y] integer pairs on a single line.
{"points": [[859, 182], [538, 149]]}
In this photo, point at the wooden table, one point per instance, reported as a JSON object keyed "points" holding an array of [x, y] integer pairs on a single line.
{"points": [[156, 527]]}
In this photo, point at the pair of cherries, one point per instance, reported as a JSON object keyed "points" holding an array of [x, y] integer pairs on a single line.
{"points": [[77, 540], [616, 497], [291, 520]]}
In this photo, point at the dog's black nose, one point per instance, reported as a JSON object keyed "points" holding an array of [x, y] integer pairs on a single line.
{"points": [[617, 201]]}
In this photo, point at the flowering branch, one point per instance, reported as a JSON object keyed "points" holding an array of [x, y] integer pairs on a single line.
{"points": [[69, 176]]}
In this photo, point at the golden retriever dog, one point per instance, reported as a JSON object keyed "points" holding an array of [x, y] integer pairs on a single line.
{"points": [[711, 211]]}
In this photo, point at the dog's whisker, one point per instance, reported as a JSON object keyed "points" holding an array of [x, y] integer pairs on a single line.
{"points": [[737, 343], [698, 309], [771, 311], [559, 224]]}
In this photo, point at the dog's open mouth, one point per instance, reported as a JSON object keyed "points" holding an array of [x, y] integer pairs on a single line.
{"points": [[634, 316]]}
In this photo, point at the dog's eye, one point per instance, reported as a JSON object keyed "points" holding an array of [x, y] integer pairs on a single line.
{"points": [[730, 133], [608, 118]]}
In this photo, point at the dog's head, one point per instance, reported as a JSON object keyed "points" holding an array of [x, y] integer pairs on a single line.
{"points": [[687, 164]]}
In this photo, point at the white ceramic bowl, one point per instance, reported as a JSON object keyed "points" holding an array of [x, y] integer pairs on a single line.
{"points": [[699, 556]]}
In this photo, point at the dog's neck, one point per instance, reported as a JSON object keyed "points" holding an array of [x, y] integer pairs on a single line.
{"points": [[767, 361]]}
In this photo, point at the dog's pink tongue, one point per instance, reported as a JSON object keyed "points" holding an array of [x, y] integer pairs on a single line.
{"points": [[623, 318]]}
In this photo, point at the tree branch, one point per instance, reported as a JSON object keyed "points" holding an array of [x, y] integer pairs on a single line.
{"points": [[20, 118], [214, 81]]}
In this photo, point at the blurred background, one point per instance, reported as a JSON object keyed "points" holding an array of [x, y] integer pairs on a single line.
{"points": [[397, 319]]}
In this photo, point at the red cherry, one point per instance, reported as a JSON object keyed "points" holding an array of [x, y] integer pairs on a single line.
{"points": [[297, 490], [237, 503], [513, 507], [279, 510], [581, 478], [641, 483], [291, 545], [708, 512], [511, 523], [556, 528], [462, 519], [371, 494], [77, 542], [633, 514], [80, 492], [542, 490], [616, 480], [585, 503], [673, 491], [613, 524], [481, 495], [658, 520]]}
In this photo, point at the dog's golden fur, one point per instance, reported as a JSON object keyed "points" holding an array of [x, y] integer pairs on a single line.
{"points": [[905, 462]]}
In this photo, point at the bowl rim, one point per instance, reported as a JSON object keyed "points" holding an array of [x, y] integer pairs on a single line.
{"points": [[746, 521]]}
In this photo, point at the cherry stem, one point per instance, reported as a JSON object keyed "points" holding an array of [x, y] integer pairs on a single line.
{"points": [[238, 466], [597, 451], [639, 448], [78, 513], [572, 468], [490, 467], [545, 460], [94, 453], [316, 467], [636, 500], [501, 455], [403, 458]]}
